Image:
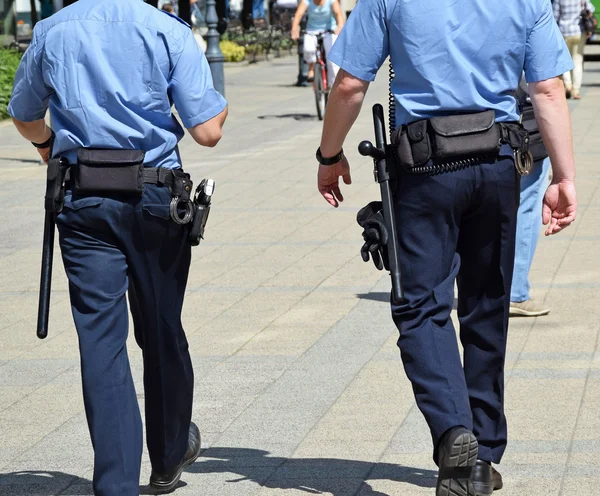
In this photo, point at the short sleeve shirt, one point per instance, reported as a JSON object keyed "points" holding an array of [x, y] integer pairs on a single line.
{"points": [[110, 73], [453, 56]]}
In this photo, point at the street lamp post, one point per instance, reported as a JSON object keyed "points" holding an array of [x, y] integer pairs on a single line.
{"points": [[214, 54]]}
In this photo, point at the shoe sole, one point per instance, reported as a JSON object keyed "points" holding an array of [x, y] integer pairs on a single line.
{"points": [[163, 488], [518, 312], [457, 466]]}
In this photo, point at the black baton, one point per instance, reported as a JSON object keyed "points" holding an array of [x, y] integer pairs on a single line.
{"points": [[379, 153], [53, 204], [46, 279]]}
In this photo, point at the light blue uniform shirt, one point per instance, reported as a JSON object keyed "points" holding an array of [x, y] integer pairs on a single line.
{"points": [[453, 56], [110, 71], [320, 18]]}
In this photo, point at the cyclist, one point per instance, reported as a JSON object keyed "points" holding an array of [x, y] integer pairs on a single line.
{"points": [[323, 16]]}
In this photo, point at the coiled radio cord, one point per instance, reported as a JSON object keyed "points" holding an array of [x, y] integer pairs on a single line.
{"points": [[392, 102]]}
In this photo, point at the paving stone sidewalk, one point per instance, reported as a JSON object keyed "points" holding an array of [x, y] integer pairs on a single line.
{"points": [[299, 389]]}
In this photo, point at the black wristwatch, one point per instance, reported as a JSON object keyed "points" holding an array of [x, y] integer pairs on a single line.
{"points": [[47, 143], [330, 160]]}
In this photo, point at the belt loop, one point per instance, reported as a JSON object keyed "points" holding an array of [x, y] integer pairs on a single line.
{"points": [[504, 133]]}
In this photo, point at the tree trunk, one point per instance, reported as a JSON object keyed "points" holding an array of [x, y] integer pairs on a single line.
{"points": [[185, 11], [34, 14]]}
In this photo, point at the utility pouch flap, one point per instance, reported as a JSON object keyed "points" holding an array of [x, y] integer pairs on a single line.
{"points": [[465, 136], [110, 158], [103, 172], [460, 125]]}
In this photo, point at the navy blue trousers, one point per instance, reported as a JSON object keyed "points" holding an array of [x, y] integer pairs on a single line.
{"points": [[111, 246], [458, 226]]}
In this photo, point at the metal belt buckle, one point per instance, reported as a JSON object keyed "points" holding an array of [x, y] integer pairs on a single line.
{"points": [[189, 211], [523, 162]]}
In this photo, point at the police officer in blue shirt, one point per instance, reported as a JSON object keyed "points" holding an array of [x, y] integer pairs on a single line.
{"points": [[109, 72], [455, 61]]}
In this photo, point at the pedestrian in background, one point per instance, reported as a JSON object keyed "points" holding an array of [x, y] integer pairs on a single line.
{"points": [[323, 16], [568, 14], [347, 6], [168, 7], [258, 9], [533, 186]]}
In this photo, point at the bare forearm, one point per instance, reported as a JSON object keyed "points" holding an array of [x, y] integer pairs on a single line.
{"points": [[210, 132], [344, 105], [36, 131], [554, 121]]}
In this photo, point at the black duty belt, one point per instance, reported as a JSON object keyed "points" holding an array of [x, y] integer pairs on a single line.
{"points": [[159, 176], [449, 143]]}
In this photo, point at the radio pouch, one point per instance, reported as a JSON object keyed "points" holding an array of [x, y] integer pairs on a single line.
{"points": [[536, 144], [104, 172]]}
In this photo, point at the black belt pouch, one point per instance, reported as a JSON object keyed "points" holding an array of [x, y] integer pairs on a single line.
{"points": [[108, 172], [446, 139]]}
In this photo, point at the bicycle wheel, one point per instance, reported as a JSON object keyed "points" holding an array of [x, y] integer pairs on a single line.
{"points": [[320, 93]]}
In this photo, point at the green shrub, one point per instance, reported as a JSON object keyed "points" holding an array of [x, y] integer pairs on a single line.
{"points": [[9, 61], [232, 51], [255, 48]]}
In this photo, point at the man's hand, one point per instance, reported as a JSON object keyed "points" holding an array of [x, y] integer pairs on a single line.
{"points": [[296, 33], [45, 153], [328, 180], [560, 206]]}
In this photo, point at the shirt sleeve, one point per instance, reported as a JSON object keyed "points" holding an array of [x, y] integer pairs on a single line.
{"points": [[30, 96], [363, 46], [191, 86], [546, 53]]}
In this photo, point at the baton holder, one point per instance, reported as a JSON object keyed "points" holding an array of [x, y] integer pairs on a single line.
{"points": [[378, 153]]}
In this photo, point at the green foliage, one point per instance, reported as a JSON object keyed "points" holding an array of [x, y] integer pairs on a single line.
{"points": [[286, 44], [9, 61], [232, 51]]}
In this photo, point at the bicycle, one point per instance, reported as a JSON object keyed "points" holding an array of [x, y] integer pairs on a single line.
{"points": [[321, 78]]}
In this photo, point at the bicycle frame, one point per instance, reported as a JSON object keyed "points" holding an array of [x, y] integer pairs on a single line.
{"points": [[322, 61]]}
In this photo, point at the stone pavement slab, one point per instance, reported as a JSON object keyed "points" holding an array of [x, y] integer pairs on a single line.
{"points": [[299, 386]]}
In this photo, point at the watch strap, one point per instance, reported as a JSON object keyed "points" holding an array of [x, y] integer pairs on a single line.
{"points": [[47, 143], [330, 160]]}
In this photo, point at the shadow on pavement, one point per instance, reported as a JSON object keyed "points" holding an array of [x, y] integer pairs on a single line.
{"points": [[41, 483], [384, 297], [310, 475], [381, 296], [21, 160], [297, 117]]}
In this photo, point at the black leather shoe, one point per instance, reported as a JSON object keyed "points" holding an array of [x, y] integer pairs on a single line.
{"points": [[486, 479], [457, 457], [165, 483]]}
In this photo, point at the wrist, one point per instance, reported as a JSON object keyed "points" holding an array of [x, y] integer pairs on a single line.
{"points": [[562, 180], [332, 159], [47, 141]]}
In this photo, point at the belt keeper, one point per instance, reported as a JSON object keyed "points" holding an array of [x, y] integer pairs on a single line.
{"points": [[162, 175]]}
